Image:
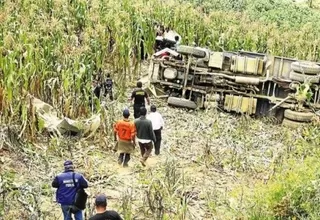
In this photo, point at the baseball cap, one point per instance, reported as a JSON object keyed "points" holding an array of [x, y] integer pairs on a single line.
{"points": [[68, 165], [101, 200], [126, 112]]}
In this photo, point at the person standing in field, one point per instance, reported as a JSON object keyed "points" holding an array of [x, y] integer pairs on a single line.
{"points": [[108, 87], [157, 125], [138, 97], [67, 184], [101, 210], [145, 135], [124, 134]]}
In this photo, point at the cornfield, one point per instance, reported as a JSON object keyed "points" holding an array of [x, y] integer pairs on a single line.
{"points": [[53, 50]]}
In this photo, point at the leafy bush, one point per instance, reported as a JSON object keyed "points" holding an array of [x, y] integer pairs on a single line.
{"points": [[283, 13], [293, 191], [223, 5]]}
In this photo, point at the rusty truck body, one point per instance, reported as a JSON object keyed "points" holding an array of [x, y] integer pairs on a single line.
{"points": [[243, 82]]}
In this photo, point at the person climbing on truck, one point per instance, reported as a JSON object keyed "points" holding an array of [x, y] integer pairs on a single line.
{"points": [[138, 97], [124, 134]]}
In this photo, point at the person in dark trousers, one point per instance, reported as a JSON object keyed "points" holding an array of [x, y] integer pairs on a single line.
{"points": [[108, 87], [125, 130], [97, 86], [66, 189], [157, 125], [145, 135], [97, 89], [101, 210], [138, 97]]}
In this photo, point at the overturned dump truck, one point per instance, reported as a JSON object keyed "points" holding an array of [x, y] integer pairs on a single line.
{"points": [[242, 82]]}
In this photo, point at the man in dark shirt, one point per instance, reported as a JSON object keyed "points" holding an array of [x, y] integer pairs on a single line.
{"points": [[102, 212], [138, 96], [145, 135], [108, 87]]}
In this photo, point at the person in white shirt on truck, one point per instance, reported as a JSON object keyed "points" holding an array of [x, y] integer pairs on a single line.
{"points": [[157, 124]]}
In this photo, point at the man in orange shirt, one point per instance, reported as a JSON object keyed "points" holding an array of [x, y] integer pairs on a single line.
{"points": [[124, 133]]}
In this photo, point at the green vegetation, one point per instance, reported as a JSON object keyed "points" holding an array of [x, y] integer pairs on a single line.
{"points": [[293, 190], [52, 49], [244, 168]]}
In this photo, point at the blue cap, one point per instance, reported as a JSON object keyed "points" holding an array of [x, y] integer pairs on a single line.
{"points": [[126, 113], [68, 165]]}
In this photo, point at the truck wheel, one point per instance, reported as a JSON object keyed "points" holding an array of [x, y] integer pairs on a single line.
{"points": [[180, 102], [292, 124], [305, 67], [188, 50], [298, 116], [302, 77]]}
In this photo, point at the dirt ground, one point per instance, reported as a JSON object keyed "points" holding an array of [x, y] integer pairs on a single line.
{"points": [[204, 156]]}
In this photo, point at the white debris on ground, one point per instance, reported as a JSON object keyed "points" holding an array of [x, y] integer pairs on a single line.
{"points": [[53, 123]]}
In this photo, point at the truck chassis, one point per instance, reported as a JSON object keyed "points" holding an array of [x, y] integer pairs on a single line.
{"points": [[242, 82]]}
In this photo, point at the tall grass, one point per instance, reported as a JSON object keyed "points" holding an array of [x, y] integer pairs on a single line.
{"points": [[53, 49]]}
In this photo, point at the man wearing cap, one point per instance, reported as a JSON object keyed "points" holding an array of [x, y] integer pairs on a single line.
{"points": [[138, 97], [157, 125], [145, 135], [67, 184], [124, 133], [101, 210]]}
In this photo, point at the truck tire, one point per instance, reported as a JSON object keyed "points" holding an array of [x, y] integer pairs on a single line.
{"points": [[298, 116], [302, 77], [292, 124], [188, 50], [180, 102], [305, 67]]}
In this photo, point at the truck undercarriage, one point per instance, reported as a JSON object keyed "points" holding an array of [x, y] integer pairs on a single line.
{"points": [[242, 82]]}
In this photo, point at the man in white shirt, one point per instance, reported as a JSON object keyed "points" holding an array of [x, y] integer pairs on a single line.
{"points": [[157, 125]]}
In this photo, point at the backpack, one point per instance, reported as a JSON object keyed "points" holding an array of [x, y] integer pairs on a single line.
{"points": [[80, 199]]}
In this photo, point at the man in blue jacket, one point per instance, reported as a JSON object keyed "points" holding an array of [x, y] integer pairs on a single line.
{"points": [[66, 189]]}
